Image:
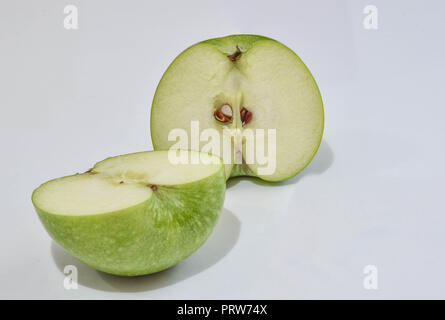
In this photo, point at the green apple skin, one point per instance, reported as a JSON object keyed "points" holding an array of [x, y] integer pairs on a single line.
{"points": [[148, 237], [227, 45]]}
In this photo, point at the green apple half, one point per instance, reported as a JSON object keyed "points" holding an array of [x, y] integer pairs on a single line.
{"points": [[247, 73], [133, 214]]}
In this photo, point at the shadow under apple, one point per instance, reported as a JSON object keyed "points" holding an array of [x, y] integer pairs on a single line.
{"points": [[219, 244], [322, 161]]}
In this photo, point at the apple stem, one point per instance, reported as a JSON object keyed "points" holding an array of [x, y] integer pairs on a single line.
{"points": [[153, 187], [236, 55]]}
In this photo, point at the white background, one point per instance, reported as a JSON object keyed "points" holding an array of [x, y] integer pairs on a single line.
{"points": [[373, 194]]}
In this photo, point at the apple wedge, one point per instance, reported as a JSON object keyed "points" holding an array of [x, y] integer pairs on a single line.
{"points": [[134, 214], [243, 82]]}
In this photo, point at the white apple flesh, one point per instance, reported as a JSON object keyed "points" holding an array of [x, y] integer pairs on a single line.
{"points": [[266, 85], [133, 214]]}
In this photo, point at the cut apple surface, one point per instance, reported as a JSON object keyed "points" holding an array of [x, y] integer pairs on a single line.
{"points": [[134, 214], [243, 82], [87, 194]]}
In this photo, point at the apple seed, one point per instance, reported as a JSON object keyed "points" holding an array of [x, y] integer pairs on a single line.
{"points": [[224, 114], [226, 110], [246, 116]]}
